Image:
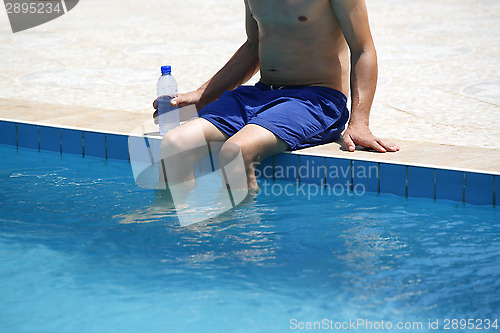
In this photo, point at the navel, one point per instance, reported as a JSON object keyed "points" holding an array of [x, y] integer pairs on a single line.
{"points": [[302, 18]]}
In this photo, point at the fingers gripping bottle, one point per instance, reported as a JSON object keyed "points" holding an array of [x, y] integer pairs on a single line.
{"points": [[166, 88]]}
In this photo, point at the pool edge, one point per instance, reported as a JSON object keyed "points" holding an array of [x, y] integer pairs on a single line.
{"points": [[464, 185]]}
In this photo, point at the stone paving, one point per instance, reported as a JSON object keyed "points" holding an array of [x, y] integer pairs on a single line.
{"points": [[439, 73]]}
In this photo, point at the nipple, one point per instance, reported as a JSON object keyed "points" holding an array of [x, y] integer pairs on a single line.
{"points": [[302, 18]]}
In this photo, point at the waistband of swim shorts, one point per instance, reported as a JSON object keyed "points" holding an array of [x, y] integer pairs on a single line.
{"points": [[329, 90]]}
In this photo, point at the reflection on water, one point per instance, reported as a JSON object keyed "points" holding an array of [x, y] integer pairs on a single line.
{"points": [[162, 208], [79, 233], [240, 235]]}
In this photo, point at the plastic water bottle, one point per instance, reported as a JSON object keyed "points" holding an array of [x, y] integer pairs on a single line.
{"points": [[166, 88]]}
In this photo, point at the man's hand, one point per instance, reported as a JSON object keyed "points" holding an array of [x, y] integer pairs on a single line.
{"points": [[182, 100], [361, 135]]}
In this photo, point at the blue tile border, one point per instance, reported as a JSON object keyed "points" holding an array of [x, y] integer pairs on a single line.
{"points": [[339, 174], [365, 176], [50, 138], [286, 167], [71, 141], [94, 144], [496, 194], [469, 187], [8, 133], [393, 179], [312, 169], [450, 185], [27, 136], [479, 188], [421, 182], [117, 147]]}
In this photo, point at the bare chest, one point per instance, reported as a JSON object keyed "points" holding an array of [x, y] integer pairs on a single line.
{"points": [[289, 13]]}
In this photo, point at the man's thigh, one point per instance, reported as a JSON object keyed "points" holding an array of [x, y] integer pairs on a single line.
{"points": [[196, 132], [257, 143]]}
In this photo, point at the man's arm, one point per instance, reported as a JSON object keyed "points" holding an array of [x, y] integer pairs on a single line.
{"points": [[353, 18], [238, 70]]}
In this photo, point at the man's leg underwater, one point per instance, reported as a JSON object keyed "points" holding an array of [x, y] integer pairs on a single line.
{"points": [[255, 144]]}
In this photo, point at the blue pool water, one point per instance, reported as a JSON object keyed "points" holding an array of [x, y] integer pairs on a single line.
{"points": [[83, 249]]}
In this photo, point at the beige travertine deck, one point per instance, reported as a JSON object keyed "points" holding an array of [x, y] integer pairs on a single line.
{"points": [[96, 68]]}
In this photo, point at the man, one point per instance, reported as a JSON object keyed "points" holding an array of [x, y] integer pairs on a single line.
{"points": [[301, 49]]}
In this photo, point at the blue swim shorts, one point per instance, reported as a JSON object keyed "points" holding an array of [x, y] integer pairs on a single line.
{"points": [[302, 116]]}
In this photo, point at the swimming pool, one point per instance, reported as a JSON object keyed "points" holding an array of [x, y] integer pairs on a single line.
{"points": [[83, 249]]}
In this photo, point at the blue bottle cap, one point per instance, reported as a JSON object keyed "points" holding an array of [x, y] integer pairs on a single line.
{"points": [[166, 69]]}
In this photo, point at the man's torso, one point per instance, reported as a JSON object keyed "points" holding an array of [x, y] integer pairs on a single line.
{"points": [[301, 43]]}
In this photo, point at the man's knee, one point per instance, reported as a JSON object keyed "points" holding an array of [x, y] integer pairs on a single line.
{"points": [[174, 142], [229, 152]]}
